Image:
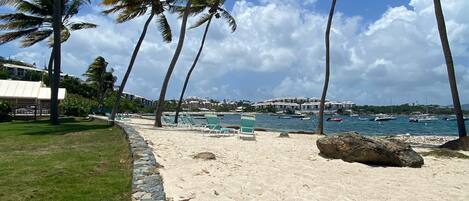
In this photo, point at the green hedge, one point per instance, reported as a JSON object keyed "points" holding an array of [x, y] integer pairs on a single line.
{"points": [[78, 106], [5, 110]]}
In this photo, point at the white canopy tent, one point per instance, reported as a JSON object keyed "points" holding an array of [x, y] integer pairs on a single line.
{"points": [[27, 96]]}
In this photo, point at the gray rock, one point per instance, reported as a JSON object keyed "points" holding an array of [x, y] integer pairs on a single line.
{"points": [[284, 135], [205, 156], [459, 144], [352, 147]]}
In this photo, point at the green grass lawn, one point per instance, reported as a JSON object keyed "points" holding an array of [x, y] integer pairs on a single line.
{"points": [[77, 160]]}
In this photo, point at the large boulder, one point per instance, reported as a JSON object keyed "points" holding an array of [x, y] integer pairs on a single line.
{"points": [[352, 147], [460, 144]]}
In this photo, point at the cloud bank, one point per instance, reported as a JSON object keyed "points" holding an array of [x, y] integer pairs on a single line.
{"points": [[278, 50]]}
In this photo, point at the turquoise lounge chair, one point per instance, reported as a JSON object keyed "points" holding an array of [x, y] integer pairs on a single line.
{"points": [[247, 126], [167, 121], [213, 125]]}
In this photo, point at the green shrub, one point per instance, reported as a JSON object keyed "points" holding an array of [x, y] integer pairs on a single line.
{"points": [[5, 110], [76, 105]]}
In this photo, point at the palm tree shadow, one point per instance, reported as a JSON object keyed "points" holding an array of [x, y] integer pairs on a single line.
{"points": [[66, 126]]}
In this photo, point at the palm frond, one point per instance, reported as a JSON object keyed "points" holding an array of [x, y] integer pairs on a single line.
{"points": [[229, 19], [19, 21], [35, 37], [64, 35], [129, 14], [193, 10], [201, 20], [10, 36], [9, 2], [34, 8], [164, 28], [72, 7], [81, 25]]}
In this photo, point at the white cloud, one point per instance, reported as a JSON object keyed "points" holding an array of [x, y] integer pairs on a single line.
{"points": [[278, 50]]}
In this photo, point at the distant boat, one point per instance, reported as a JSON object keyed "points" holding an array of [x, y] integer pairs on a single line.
{"points": [[306, 118], [354, 115], [383, 117], [334, 119], [420, 118], [298, 116], [453, 118], [284, 117], [363, 118]]}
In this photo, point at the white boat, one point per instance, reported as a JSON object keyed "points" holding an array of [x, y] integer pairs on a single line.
{"points": [[383, 117], [306, 118], [419, 118], [354, 115]]}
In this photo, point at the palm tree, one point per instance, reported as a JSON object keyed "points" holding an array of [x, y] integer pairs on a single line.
{"points": [[38, 20], [128, 10], [320, 127], [215, 9], [100, 78], [182, 34], [450, 67], [32, 23]]}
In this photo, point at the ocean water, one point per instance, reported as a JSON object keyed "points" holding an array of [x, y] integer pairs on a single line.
{"points": [[399, 126]]}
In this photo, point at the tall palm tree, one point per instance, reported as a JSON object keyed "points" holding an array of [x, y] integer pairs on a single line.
{"points": [[182, 34], [32, 23], [450, 67], [38, 20], [128, 10], [320, 126], [99, 78], [215, 9]]}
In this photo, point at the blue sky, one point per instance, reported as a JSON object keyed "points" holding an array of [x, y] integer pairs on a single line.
{"points": [[381, 50]]}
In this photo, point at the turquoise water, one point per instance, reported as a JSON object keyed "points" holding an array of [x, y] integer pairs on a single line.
{"points": [[399, 126]]}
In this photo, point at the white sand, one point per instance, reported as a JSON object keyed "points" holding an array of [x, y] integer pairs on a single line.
{"points": [[273, 168]]}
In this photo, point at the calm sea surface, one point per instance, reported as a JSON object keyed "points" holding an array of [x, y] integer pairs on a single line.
{"points": [[399, 126]]}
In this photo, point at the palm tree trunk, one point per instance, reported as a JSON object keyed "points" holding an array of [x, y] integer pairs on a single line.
{"points": [[320, 127], [178, 109], [57, 24], [49, 67], [450, 67], [159, 107], [129, 69]]}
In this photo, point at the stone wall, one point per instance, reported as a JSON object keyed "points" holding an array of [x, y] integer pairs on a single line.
{"points": [[147, 183]]}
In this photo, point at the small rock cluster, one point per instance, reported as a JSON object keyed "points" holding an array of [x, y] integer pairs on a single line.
{"points": [[147, 183]]}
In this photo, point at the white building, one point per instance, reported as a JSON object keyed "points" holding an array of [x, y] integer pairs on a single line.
{"points": [[28, 98], [306, 105]]}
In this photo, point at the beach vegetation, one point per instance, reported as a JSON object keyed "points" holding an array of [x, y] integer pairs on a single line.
{"points": [[445, 153], [100, 79]]}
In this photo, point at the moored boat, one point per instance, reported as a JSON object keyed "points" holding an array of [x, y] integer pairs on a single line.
{"points": [[334, 119], [383, 117]]}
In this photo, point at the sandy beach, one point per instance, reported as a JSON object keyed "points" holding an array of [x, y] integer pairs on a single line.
{"points": [[273, 168]]}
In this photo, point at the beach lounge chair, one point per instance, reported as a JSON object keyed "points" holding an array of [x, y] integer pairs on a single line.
{"points": [[188, 121], [213, 125], [246, 128], [167, 121]]}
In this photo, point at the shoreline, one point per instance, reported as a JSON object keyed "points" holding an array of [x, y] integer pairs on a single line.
{"points": [[273, 168]]}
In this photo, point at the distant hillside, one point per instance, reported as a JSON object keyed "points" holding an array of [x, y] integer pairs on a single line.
{"points": [[13, 61]]}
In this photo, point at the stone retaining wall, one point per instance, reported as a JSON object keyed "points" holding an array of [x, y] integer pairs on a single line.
{"points": [[147, 183]]}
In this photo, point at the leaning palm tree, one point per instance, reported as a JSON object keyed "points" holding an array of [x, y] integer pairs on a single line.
{"points": [[38, 20], [182, 34], [215, 9], [320, 126], [450, 67], [128, 10]]}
